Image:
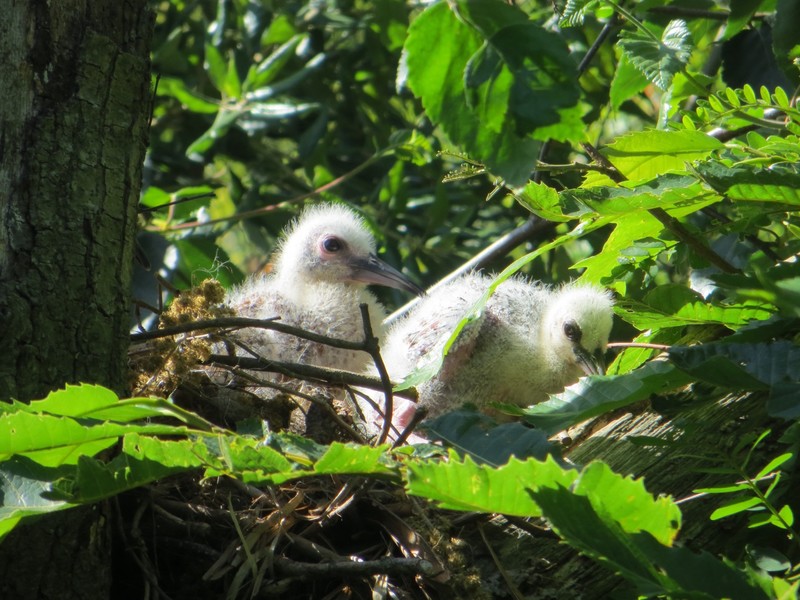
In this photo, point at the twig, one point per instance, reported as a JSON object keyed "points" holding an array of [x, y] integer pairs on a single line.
{"points": [[498, 563], [344, 425], [663, 347], [419, 415], [371, 346], [301, 371], [532, 227], [601, 38], [239, 322]]}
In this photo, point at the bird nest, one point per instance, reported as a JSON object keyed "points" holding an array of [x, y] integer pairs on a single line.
{"points": [[321, 537]]}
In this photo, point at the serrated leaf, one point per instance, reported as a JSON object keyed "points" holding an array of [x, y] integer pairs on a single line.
{"points": [[658, 60], [349, 459], [678, 306], [647, 154], [464, 485], [574, 12], [542, 200], [596, 395], [744, 366], [143, 460], [628, 503], [655, 569], [488, 77], [664, 191], [57, 439]]}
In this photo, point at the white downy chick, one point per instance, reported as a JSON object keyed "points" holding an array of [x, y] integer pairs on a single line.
{"points": [[528, 341], [324, 264]]}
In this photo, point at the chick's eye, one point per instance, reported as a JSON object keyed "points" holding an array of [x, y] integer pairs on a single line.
{"points": [[332, 244], [573, 331]]}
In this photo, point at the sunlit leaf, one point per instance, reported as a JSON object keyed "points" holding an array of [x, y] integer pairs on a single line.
{"points": [[659, 60]]}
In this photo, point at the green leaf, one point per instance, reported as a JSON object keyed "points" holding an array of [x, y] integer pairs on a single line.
{"points": [[597, 395], [664, 191], [143, 460], [734, 507], [354, 459], [677, 306], [52, 440], [480, 437], [741, 12], [215, 67], [744, 366], [628, 503], [542, 200], [190, 99], [466, 486], [658, 60], [786, 39], [774, 464], [629, 228], [626, 83], [225, 118], [24, 489], [647, 154], [489, 77], [268, 69], [588, 524], [574, 12]]}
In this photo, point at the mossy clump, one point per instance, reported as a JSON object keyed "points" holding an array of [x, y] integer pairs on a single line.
{"points": [[158, 366]]}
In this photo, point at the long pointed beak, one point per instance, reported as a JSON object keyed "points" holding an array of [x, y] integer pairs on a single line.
{"points": [[373, 270], [592, 364]]}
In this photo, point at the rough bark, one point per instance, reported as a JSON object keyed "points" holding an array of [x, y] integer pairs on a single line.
{"points": [[74, 113]]}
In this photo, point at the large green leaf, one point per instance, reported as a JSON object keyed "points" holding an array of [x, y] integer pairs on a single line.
{"points": [[596, 395], [489, 78], [741, 366], [52, 440], [645, 155], [677, 306], [664, 191], [593, 522], [142, 460], [752, 184], [465, 485]]}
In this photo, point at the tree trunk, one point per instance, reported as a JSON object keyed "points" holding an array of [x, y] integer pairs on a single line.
{"points": [[74, 111]]}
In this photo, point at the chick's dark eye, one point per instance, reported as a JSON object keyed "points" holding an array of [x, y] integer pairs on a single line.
{"points": [[332, 244], [573, 331]]}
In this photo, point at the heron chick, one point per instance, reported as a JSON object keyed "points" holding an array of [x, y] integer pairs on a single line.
{"points": [[528, 341], [323, 266]]}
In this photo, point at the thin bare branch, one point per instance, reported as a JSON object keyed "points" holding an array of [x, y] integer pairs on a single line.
{"points": [[301, 371], [239, 322]]}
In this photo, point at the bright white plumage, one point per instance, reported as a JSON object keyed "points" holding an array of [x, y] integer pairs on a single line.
{"points": [[324, 263]]}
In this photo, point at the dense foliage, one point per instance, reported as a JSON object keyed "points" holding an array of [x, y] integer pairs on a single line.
{"points": [[655, 143]]}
